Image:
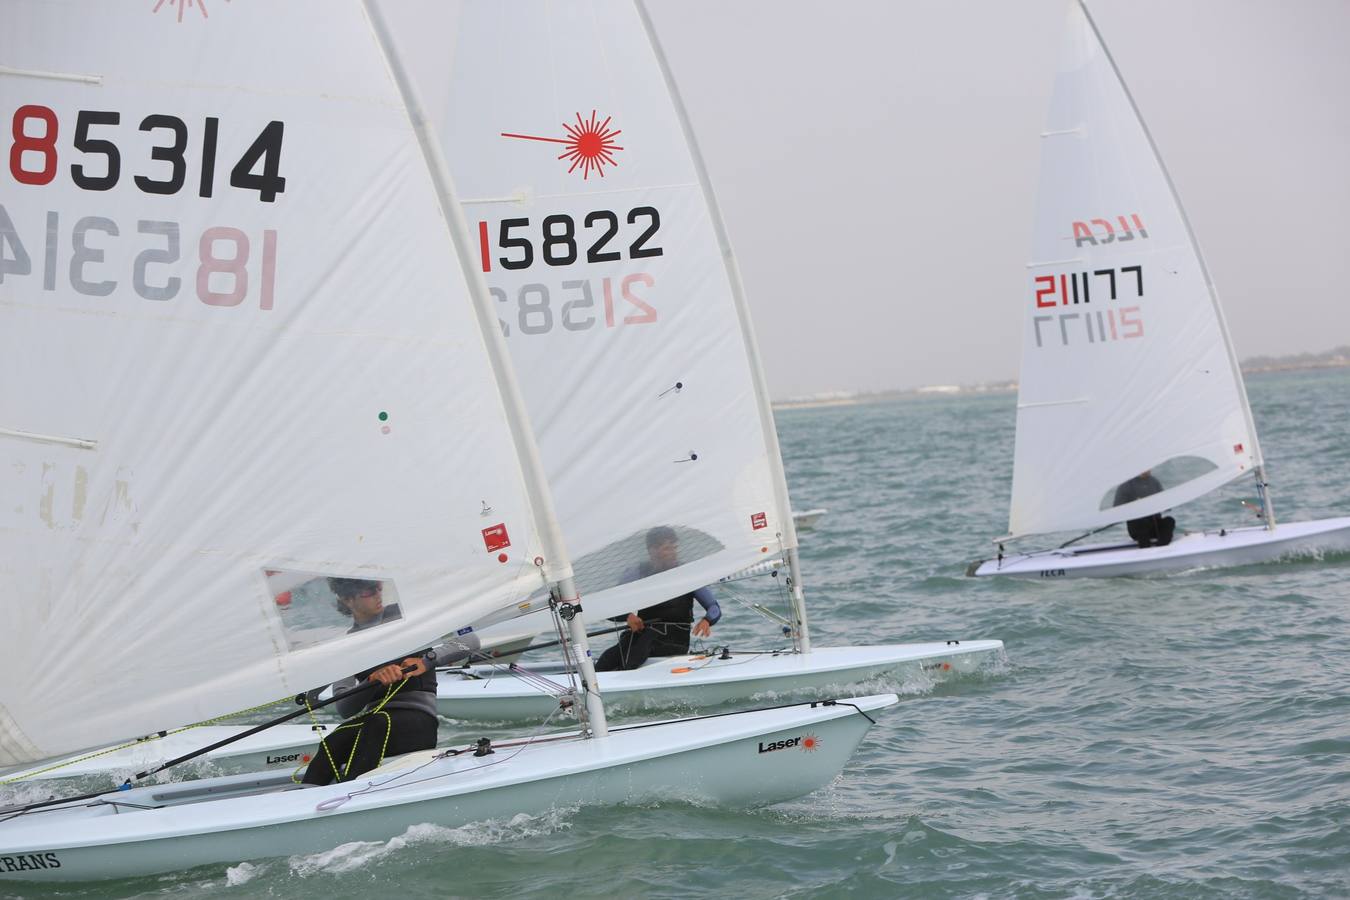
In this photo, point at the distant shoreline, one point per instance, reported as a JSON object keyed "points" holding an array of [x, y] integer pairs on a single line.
{"points": [[1296, 367], [1260, 365]]}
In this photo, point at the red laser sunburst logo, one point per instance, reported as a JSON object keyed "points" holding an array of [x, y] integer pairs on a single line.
{"points": [[590, 144], [810, 743], [182, 6]]}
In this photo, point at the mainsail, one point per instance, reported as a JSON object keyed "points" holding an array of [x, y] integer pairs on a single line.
{"points": [[1126, 362], [599, 241], [240, 359]]}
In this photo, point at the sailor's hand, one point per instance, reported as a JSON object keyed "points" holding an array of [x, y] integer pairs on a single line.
{"points": [[702, 628], [394, 673], [635, 622]]}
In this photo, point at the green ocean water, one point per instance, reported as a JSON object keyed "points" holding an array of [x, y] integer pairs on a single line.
{"points": [[1184, 736]]}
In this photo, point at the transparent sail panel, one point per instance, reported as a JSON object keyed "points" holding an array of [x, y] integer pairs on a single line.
{"points": [[1170, 474], [317, 608]]}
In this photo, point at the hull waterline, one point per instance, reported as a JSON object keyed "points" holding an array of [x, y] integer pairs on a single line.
{"points": [[742, 759], [1210, 549], [485, 693]]}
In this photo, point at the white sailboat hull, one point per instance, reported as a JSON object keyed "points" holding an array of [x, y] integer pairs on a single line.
{"points": [[1202, 550], [807, 518], [485, 693], [280, 748], [749, 758]]}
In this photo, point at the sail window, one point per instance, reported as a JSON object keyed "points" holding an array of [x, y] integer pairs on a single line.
{"points": [[316, 608], [640, 554], [1166, 475]]}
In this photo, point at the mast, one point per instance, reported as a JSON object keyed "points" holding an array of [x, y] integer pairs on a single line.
{"points": [[1268, 510], [788, 535], [555, 565]]}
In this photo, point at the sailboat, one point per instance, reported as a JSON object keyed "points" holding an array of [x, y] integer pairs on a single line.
{"points": [[1131, 401], [600, 239], [807, 518], [246, 335]]}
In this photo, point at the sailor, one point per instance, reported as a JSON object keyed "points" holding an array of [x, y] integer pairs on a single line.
{"points": [[1148, 531], [663, 629], [401, 718]]}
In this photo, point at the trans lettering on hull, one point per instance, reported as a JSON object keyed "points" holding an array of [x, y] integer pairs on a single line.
{"points": [[29, 862]]}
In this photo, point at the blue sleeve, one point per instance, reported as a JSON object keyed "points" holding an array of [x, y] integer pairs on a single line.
{"points": [[711, 611]]}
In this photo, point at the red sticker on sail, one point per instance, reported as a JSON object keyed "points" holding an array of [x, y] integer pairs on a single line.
{"points": [[759, 520], [496, 538], [1237, 448]]}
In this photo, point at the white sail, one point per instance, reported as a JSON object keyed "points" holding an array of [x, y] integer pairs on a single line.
{"points": [[238, 351], [1126, 362], [614, 295]]}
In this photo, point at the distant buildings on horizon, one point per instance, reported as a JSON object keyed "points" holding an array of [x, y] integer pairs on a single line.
{"points": [[1338, 357]]}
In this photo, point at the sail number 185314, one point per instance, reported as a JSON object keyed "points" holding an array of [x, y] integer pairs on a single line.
{"points": [[34, 157]]}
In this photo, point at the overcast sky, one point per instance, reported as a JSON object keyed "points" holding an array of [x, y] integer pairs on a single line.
{"points": [[876, 163]]}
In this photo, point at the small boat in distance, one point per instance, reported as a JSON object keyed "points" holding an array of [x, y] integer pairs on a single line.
{"points": [[807, 518], [1130, 400]]}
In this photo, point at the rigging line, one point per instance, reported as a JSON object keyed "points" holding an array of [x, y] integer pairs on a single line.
{"points": [[112, 803], [389, 692], [569, 663], [339, 695], [534, 679], [140, 740], [758, 608], [570, 666], [735, 712], [536, 738], [1088, 534], [590, 634], [786, 651], [375, 788], [733, 578]]}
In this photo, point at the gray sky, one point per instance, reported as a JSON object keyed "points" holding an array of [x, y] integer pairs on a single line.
{"points": [[876, 164]]}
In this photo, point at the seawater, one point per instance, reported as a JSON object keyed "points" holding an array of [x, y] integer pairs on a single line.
{"points": [[1184, 736]]}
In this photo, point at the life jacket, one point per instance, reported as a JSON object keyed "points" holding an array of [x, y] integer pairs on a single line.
{"points": [[676, 611], [679, 611]]}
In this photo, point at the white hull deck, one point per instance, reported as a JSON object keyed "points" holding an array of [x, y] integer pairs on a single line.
{"points": [[1208, 549], [282, 748], [486, 694], [493, 694], [741, 759]]}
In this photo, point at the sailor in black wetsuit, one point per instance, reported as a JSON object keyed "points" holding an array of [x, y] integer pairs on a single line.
{"points": [[663, 629], [400, 718], [1149, 530]]}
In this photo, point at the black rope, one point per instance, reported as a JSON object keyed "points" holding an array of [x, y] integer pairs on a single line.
{"points": [[1085, 535], [11, 811], [592, 634]]}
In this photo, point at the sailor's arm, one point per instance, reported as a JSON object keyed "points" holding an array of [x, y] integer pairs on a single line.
{"points": [[712, 612], [455, 649]]}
